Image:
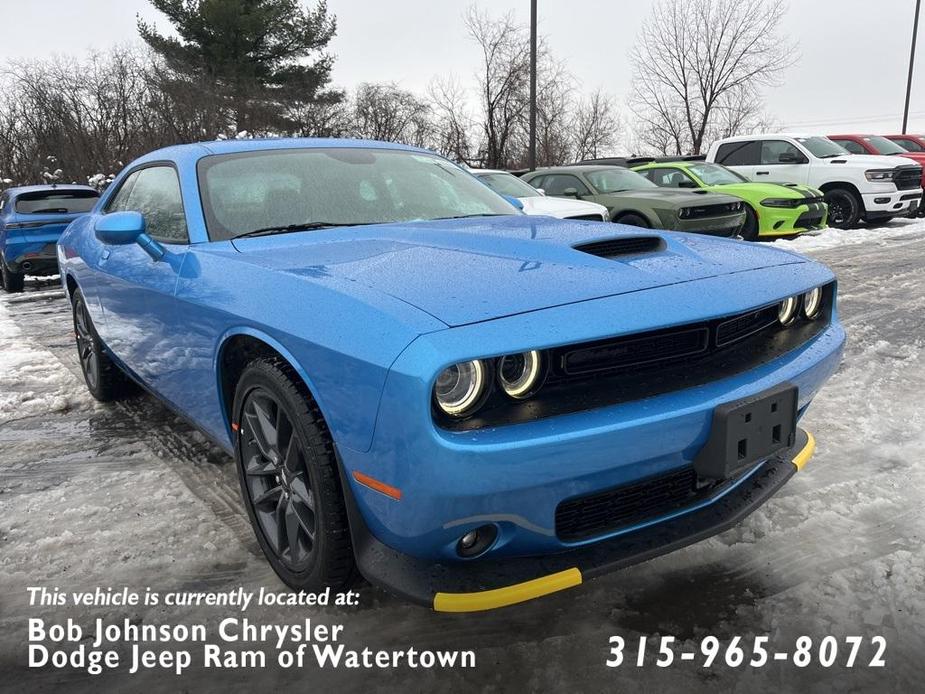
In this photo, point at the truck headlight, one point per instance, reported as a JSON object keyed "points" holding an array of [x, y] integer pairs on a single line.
{"points": [[879, 174], [459, 388]]}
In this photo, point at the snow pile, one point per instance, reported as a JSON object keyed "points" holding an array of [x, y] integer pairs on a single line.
{"points": [[832, 238], [31, 379]]}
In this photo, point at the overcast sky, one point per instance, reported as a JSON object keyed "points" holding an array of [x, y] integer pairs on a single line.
{"points": [[850, 76]]}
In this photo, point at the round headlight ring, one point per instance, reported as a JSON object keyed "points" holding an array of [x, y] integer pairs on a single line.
{"points": [[520, 374], [787, 311], [459, 388], [812, 303]]}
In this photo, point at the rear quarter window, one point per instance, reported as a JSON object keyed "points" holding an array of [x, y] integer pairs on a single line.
{"points": [[746, 153]]}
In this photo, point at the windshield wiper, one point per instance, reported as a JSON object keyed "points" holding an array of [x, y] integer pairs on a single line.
{"points": [[468, 216], [289, 228]]}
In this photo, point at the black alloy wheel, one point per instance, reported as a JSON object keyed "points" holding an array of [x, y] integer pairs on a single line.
{"points": [[844, 208], [277, 480], [87, 348]]}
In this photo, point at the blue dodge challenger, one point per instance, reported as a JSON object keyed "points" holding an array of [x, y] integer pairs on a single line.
{"points": [[468, 406]]}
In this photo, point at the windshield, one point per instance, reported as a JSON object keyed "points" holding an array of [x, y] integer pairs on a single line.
{"points": [[884, 146], [715, 174], [822, 147], [615, 180], [286, 189], [507, 184], [57, 202]]}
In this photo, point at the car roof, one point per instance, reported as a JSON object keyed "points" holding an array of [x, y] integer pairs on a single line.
{"points": [[576, 168], [476, 172], [46, 187], [767, 136], [198, 150]]}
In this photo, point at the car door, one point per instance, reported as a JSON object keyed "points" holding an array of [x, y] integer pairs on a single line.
{"points": [[135, 291], [782, 162], [743, 156]]}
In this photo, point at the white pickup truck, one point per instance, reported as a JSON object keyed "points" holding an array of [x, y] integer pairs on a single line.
{"points": [[856, 186]]}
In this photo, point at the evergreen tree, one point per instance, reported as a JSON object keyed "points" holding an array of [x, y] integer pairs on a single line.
{"points": [[258, 58]]}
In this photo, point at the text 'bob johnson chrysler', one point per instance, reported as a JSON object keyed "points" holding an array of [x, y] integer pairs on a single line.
{"points": [[471, 406]]}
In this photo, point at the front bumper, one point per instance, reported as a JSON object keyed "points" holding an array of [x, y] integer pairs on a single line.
{"points": [[779, 222], [726, 226], [892, 204], [485, 585]]}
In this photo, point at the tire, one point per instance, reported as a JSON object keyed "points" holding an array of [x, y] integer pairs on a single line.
{"points": [[12, 281], [750, 228], [289, 479], [845, 208], [633, 220], [105, 381]]}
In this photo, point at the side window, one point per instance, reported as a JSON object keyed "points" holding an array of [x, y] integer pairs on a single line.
{"points": [[746, 153], [556, 184], [671, 178], [851, 146], [119, 201], [911, 145], [780, 152], [156, 194]]}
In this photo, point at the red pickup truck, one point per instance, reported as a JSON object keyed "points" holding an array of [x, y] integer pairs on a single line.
{"points": [[878, 144]]}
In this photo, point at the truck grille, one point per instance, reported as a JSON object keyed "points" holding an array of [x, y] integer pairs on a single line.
{"points": [[908, 177]]}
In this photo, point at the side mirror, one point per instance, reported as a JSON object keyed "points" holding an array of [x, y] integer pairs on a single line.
{"points": [[541, 191], [514, 201], [687, 184], [119, 228], [570, 192], [124, 228], [790, 158]]}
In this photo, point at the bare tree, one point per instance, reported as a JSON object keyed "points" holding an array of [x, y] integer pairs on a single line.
{"points": [[595, 127], [453, 124], [693, 58], [385, 112]]}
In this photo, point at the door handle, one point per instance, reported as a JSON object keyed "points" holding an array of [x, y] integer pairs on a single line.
{"points": [[762, 173]]}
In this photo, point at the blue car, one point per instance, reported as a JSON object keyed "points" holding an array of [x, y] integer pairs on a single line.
{"points": [[468, 406], [31, 220]]}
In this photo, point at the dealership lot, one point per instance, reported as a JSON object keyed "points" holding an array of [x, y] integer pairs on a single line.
{"points": [[127, 494]]}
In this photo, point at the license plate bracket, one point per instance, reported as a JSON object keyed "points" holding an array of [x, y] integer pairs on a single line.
{"points": [[747, 430]]}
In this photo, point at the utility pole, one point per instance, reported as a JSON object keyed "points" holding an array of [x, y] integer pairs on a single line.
{"points": [[531, 156], [915, 31]]}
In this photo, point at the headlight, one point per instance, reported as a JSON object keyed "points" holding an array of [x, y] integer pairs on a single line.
{"points": [[879, 174], [519, 374], [812, 303], [459, 388], [684, 212], [782, 202], [787, 311]]}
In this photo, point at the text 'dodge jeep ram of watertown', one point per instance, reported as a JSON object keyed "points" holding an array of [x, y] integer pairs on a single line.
{"points": [[856, 186]]}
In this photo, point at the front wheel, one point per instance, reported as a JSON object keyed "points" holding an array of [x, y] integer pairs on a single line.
{"points": [[289, 479], [633, 220], [844, 208], [750, 228]]}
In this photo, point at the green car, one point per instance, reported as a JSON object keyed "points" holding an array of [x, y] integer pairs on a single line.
{"points": [[633, 200], [772, 210]]}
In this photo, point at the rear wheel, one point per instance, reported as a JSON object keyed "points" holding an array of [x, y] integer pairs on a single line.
{"points": [[750, 228], [633, 220], [289, 479], [12, 281], [844, 208], [104, 379]]}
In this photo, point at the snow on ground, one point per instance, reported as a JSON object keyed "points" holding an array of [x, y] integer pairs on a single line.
{"points": [[126, 494]]}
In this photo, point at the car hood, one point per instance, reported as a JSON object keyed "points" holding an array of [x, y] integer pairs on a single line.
{"points": [[674, 196], [560, 207], [468, 271], [872, 161], [768, 190]]}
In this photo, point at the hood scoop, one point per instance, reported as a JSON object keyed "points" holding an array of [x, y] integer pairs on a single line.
{"points": [[626, 245]]}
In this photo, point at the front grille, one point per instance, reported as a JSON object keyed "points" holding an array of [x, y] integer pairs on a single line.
{"points": [[588, 217], [587, 516], [613, 354], [908, 177], [627, 245], [742, 326], [703, 211], [813, 218]]}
